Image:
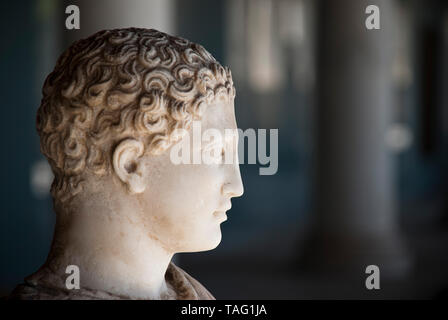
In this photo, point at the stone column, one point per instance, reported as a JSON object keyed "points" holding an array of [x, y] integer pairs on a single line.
{"points": [[109, 14], [355, 201]]}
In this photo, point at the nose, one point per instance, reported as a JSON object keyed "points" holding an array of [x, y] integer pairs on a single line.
{"points": [[234, 185]]}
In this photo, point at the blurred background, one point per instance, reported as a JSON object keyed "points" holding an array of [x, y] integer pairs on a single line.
{"points": [[363, 140]]}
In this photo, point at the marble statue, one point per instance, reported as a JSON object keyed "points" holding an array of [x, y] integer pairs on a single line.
{"points": [[123, 208]]}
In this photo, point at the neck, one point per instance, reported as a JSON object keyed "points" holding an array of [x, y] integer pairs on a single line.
{"points": [[112, 250]]}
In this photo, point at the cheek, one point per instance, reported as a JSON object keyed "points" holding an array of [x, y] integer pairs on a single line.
{"points": [[195, 189], [182, 203]]}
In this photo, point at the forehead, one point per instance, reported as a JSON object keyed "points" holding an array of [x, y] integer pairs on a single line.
{"points": [[219, 115]]}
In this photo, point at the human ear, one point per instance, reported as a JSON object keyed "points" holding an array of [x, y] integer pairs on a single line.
{"points": [[127, 164]]}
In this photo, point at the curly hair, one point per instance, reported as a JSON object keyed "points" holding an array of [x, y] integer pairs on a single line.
{"points": [[138, 83]]}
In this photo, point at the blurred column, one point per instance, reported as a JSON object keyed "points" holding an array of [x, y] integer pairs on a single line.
{"points": [[355, 221], [110, 14]]}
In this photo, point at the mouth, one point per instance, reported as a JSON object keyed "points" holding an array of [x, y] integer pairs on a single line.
{"points": [[225, 208], [221, 212]]}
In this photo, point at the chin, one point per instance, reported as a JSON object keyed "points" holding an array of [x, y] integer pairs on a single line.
{"points": [[206, 244], [216, 241]]}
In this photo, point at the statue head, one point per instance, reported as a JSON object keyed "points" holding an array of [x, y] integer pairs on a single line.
{"points": [[110, 113]]}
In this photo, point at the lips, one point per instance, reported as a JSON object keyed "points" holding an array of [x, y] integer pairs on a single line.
{"points": [[222, 211], [226, 207]]}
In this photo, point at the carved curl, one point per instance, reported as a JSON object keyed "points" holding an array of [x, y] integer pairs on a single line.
{"points": [[132, 82]]}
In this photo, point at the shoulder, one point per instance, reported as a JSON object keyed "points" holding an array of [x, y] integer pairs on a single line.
{"points": [[33, 288], [43, 285], [186, 287], [28, 291]]}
